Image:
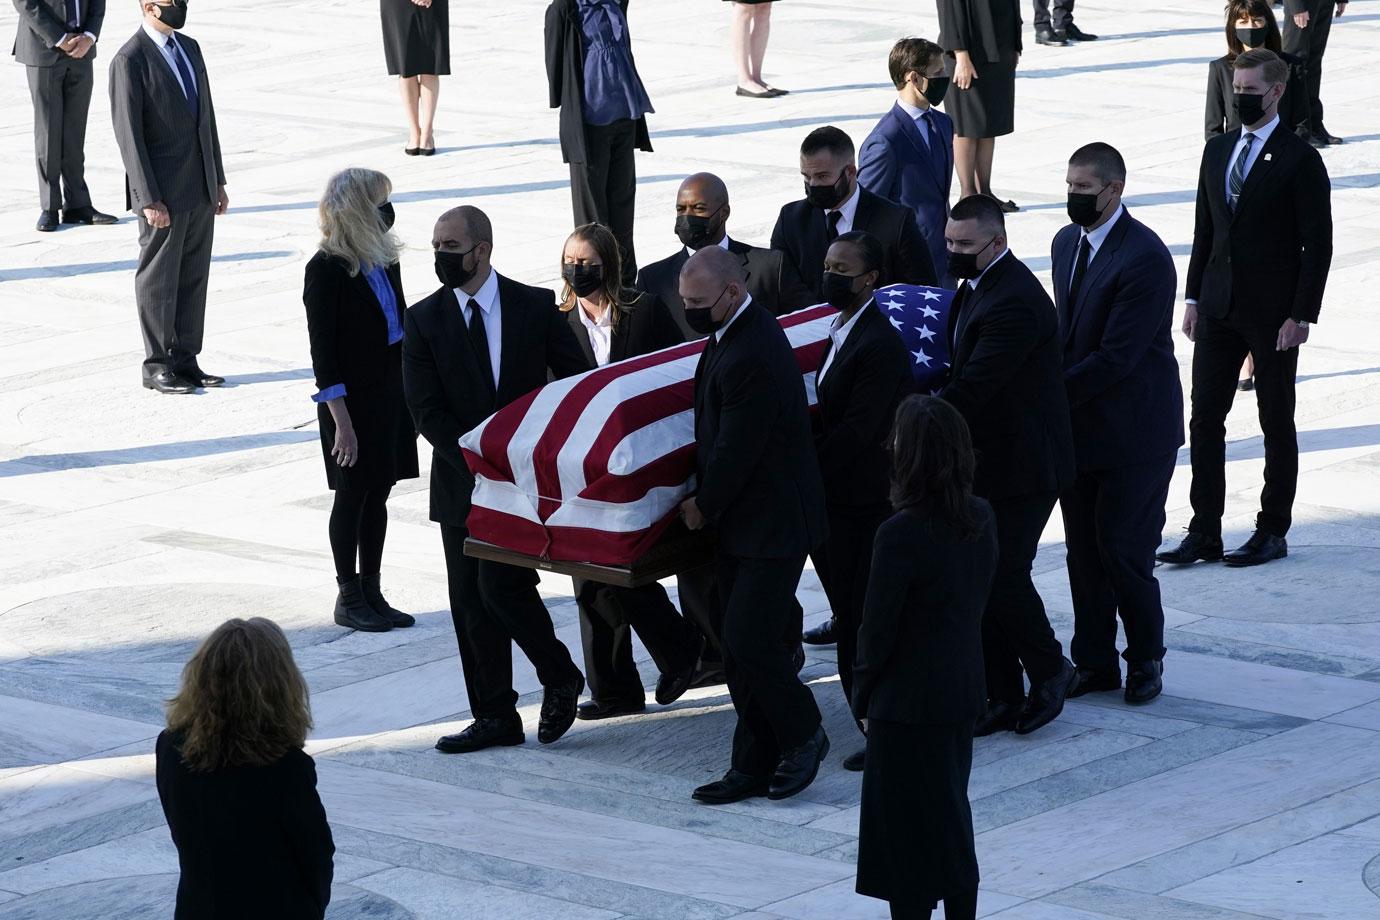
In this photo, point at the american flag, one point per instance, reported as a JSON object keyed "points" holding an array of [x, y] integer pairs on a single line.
{"points": [[593, 468]]}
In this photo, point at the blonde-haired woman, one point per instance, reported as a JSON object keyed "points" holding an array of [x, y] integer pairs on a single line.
{"points": [[238, 791], [354, 299]]}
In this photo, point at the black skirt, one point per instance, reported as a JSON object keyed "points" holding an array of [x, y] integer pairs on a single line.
{"points": [[915, 833], [416, 40], [987, 108], [383, 428]]}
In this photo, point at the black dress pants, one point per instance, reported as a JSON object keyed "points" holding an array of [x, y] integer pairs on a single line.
{"points": [[608, 617], [1220, 343], [1061, 19], [170, 288], [492, 606], [62, 97], [604, 187], [1016, 633], [1309, 44], [776, 712], [700, 604], [843, 565], [1113, 523]]}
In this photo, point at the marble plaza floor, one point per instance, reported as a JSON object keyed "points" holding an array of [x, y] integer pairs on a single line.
{"points": [[131, 524]]}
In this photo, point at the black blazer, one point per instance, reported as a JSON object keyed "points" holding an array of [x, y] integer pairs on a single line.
{"points": [[857, 402], [1007, 380], [1270, 258], [1125, 400], [801, 233], [168, 156], [973, 26], [565, 78], [43, 23], [758, 480], [1220, 114], [251, 841], [346, 326], [447, 395], [771, 281], [643, 326], [919, 656]]}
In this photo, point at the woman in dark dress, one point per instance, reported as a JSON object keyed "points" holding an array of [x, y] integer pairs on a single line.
{"points": [[354, 299], [918, 683], [751, 28], [982, 41], [238, 791], [614, 324], [1251, 24], [416, 47]]}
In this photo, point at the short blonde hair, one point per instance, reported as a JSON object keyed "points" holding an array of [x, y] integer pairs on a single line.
{"points": [[351, 229]]}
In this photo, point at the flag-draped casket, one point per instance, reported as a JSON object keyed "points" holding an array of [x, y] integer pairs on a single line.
{"points": [[592, 469]]}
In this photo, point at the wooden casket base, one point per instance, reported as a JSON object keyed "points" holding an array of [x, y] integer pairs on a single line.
{"points": [[679, 550]]}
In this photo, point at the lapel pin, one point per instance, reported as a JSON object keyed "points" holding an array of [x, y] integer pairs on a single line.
{"points": [[1268, 156]]}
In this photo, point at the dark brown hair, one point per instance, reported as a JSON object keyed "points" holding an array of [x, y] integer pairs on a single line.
{"points": [[1251, 9], [242, 701], [1273, 68], [605, 246], [912, 55], [932, 462]]}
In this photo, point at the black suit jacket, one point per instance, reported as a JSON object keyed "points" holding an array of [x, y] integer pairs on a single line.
{"points": [[168, 155], [447, 395], [565, 78], [771, 282], [919, 656], [1007, 380], [346, 326], [758, 480], [643, 326], [974, 26], [43, 23], [857, 402], [1125, 399], [1219, 115], [802, 230], [1269, 259], [251, 841]]}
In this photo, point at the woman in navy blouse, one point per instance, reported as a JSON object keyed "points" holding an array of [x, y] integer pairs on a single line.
{"points": [[354, 301]]}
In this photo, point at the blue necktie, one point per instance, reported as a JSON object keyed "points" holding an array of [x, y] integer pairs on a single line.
{"points": [[73, 14], [188, 81], [937, 155]]}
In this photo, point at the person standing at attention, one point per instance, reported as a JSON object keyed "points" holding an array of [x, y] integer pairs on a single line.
{"points": [[751, 29], [416, 47]]}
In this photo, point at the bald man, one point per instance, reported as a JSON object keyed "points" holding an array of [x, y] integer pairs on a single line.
{"points": [[702, 212], [758, 486], [474, 345]]}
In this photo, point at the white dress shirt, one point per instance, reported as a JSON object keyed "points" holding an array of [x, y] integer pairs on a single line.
{"points": [[1262, 135], [973, 282], [917, 115], [170, 51], [719, 333], [1095, 239], [838, 334], [492, 315], [600, 333], [848, 210], [723, 244]]}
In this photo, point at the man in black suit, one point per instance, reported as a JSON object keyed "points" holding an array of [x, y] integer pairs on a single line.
{"points": [[758, 485], [1007, 381], [1114, 285], [835, 203], [475, 345], [1059, 28], [165, 126], [1307, 26], [863, 375], [702, 213], [56, 42], [1262, 245]]}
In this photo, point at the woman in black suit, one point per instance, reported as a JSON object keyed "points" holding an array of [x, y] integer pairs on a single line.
{"points": [[238, 791], [982, 41], [354, 299], [1251, 24], [614, 324], [918, 682], [416, 47]]}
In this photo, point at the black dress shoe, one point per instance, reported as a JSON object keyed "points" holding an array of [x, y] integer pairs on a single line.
{"points": [[671, 687], [1195, 547], [734, 787], [776, 91], [1144, 682], [1007, 207], [753, 94], [483, 733], [87, 216], [427, 151], [594, 710], [1245, 386], [1046, 700], [168, 382], [1316, 142], [855, 761], [1050, 37], [1262, 547], [708, 674], [1326, 135], [412, 151], [558, 708], [47, 221], [799, 766], [999, 717], [197, 376], [823, 634], [1076, 34], [373, 596], [1086, 680], [353, 612]]}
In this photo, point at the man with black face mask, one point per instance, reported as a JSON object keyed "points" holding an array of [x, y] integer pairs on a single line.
{"points": [[1114, 287], [475, 345], [835, 203]]}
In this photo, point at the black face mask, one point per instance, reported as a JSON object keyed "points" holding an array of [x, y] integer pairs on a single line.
{"points": [[386, 215], [702, 320], [1083, 209], [935, 89], [837, 290], [583, 279], [1252, 37], [693, 230], [964, 264], [828, 196], [174, 16], [1250, 107], [450, 267]]}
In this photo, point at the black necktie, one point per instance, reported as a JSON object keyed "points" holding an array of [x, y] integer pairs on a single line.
{"points": [[73, 14], [479, 339], [833, 232], [1080, 268]]}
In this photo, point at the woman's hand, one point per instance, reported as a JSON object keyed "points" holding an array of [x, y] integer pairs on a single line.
{"points": [[964, 71], [424, 4], [346, 450]]}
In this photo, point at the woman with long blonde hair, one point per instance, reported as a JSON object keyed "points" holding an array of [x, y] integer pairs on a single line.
{"points": [[354, 299], [238, 791]]}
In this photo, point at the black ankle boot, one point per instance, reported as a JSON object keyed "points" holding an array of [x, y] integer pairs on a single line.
{"points": [[352, 611], [374, 598]]}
